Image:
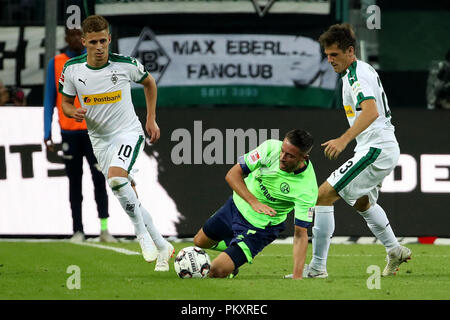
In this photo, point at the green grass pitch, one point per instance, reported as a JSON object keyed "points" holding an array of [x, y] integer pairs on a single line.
{"points": [[38, 271]]}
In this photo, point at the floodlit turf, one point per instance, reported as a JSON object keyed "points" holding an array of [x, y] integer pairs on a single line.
{"points": [[39, 271]]}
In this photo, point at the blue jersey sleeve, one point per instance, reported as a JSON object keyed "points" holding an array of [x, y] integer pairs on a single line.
{"points": [[49, 98], [244, 167]]}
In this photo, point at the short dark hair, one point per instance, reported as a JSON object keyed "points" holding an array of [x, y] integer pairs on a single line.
{"points": [[341, 34], [302, 139], [94, 23]]}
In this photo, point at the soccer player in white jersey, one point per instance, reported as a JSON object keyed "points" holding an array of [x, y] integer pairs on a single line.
{"points": [[101, 80], [359, 179]]}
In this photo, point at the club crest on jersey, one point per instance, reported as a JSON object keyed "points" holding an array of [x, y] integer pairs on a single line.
{"points": [[284, 187], [130, 207], [254, 157], [114, 78]]}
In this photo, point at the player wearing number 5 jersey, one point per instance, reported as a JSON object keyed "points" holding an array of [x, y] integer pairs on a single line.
{"points": [[359, 179], [101, 80]]}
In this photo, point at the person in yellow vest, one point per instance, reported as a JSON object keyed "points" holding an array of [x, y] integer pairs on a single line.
{"points": [[75, 143]]}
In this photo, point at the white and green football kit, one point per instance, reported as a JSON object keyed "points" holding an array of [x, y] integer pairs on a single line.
{"points": [[376, 155], [116, 134], [280, 190], [113, 126], [376, 151]]}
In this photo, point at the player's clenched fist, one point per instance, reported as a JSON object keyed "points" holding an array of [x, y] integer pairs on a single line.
{"points": [[79, 114]]}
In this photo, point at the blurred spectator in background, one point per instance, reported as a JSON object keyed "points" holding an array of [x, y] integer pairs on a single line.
{"points": [[75, 143], [438, 86], [11, 96], [18, 97], [4, 94]]}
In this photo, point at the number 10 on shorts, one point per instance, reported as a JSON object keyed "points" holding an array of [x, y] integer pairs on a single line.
{"points": [[125, 150]]}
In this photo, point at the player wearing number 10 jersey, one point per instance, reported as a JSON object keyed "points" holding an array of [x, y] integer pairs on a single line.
{"points": [[101, 80], [359, 179]]}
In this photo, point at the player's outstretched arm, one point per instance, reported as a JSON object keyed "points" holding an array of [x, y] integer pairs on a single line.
{"points": [[299, 251], [71, 111], [150, 91], [368, 115], [235, 179]]}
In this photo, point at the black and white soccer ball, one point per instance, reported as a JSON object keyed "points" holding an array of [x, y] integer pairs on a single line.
{"points": [[192, 262]]}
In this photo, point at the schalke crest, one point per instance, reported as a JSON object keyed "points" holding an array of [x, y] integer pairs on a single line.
{"points": [[284, 187]]}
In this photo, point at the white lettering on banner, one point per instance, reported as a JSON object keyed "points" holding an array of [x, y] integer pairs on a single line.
{"points": [[213, 153], [38, 199], [242, 59], [434, 173], [408, 180], [74, 20], [374, 20]]}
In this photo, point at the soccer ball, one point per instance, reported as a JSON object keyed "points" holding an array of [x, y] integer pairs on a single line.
{"points": [[192, 262]]}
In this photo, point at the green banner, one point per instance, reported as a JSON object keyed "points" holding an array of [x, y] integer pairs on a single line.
{"points": [[249, 95]]}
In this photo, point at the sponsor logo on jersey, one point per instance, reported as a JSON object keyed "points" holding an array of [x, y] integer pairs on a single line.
{"points": [[102, 98], [265, 191], [254, 156], [356, 87], [349, 111]]}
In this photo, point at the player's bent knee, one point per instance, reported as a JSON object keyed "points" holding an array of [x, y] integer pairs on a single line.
{"points": [[362, 204], [327, 195], [201, 240], [218, 271], [117, 182], [198, 241], [222, 266], [117, 172]]}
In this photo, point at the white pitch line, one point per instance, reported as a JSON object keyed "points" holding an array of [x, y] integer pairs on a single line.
{"points": [[119, 250], [361, 255]]}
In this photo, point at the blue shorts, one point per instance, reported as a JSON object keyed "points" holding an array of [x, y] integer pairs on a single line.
{"points": [[244, 240]]}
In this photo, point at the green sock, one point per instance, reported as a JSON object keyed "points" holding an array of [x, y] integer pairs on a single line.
{"points": [[103, 224], [220, 246]]}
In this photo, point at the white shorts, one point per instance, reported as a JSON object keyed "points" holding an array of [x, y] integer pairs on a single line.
{"points": [[121, 152], [363, 174]]}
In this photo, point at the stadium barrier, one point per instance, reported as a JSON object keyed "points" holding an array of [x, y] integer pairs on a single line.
{"points": [[181, 178]]}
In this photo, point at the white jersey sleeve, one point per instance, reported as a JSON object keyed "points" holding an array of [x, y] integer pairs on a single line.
{"points": [[362, 88], [137, 71], [361, 82]]}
